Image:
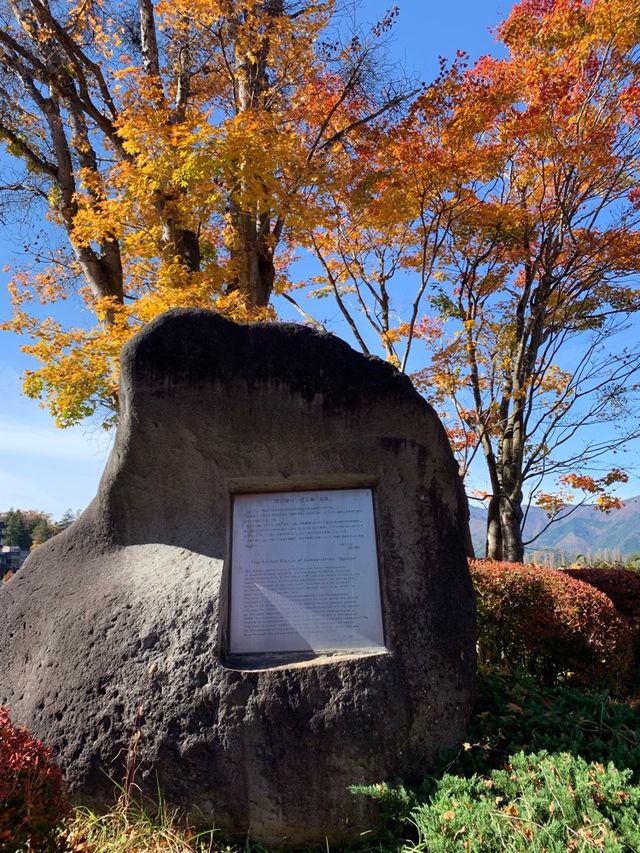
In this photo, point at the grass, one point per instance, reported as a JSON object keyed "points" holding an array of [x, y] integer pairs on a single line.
{"points": [[543, 768], [133, 830]]}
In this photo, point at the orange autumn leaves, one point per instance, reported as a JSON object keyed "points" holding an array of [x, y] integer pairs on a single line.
{"points": [[494, 235], [468, 233], [186, 159]]}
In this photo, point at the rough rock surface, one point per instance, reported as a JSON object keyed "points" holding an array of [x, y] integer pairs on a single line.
{"points": [[122, 609]]}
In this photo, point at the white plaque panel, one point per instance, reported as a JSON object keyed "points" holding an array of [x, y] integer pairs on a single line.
{"points": [[304, 573]]}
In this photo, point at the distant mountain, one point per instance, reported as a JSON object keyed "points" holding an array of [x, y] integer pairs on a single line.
{"points": [[585, 531]]}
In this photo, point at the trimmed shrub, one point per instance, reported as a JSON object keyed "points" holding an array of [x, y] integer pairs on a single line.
{"points": [[555, 627], [32, 801], [539, 802], [622, 586]]}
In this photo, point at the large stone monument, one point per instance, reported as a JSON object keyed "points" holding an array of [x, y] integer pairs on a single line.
{"points": [[270, 587]]}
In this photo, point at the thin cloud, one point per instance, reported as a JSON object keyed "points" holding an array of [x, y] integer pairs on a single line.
{"points": [[18, 438]]}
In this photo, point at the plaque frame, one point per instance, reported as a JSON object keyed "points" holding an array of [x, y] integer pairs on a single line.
{"points": [[274, 486]]}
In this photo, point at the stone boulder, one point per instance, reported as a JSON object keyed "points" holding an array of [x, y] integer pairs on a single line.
{"points": [[116, 626]]}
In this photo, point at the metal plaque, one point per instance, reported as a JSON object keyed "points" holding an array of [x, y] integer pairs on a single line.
{"points": [[304, 573]]}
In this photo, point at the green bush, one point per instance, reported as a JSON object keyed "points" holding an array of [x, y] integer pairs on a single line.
{"points": [[515, 713], [32, 801], [555, 627], [539, 802]]}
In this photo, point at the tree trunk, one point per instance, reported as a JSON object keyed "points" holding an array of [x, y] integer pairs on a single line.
{"points": [[255, 265], [511, 529], [493, 548], [504, 529], [505, 516]]}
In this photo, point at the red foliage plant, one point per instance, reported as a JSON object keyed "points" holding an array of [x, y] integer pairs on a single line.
{"points": [[622, 586], [556, 627], [32, 800]]}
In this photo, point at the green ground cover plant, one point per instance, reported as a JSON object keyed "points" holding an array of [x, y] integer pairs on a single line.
{"points": [[517, 716], [538, 802], [516, 713]]}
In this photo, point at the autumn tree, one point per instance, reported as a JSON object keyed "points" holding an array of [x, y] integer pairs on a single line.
{"points": [[502, 230], [42, 530], [179, 147], [27, 528]]}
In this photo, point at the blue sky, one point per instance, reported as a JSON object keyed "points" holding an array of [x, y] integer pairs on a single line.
{"points": [[44, 468]]}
